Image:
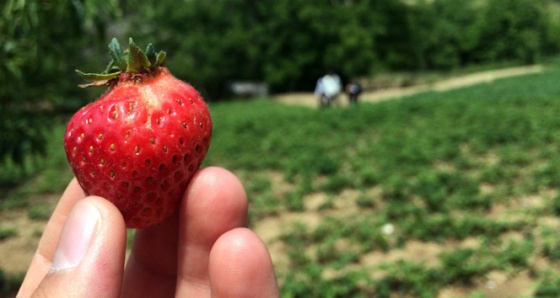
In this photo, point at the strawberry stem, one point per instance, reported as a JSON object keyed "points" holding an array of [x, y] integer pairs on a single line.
{"points": [[132, 61]]}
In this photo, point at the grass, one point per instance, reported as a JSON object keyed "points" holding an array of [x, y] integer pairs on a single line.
{"points": [[473, 171]]}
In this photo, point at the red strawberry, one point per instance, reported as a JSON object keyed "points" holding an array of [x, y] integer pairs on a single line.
{"points": [[141, 142]]}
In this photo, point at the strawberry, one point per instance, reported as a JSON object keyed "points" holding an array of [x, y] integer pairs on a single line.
{"points": [[140, 143]]}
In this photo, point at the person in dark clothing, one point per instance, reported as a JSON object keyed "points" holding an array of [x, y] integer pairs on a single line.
{"points": [[353, 90]]}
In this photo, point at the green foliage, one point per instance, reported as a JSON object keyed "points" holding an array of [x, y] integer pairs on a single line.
{"points": [[517, 29], [41, 44], [462, 266], [336, 183], [457, 170], [6, 233], [10, 283], [288, 44], [294, 202], [434, 166], [549, 286], [438, 23], [556, 205], [310, 284], [408, 279], [40, 211], [51, 174], [437, 167]]}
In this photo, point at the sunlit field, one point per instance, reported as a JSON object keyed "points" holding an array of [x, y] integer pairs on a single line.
{"points": [[452, 194]]}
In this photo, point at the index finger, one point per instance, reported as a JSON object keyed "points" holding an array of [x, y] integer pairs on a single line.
{"points": [[176, 252]]}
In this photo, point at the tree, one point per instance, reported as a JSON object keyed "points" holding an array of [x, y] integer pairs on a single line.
{"points": [[208, 42], [512, 30], [443, 33], [41, 43], [288, 44]]}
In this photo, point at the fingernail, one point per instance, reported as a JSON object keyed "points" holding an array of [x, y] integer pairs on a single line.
{"points": [[77, 235]]}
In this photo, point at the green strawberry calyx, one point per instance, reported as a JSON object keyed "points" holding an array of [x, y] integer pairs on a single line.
{"points": [[132, 61]]}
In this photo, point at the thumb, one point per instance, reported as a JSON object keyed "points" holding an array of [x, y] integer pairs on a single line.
{"points": [[89, 258]]}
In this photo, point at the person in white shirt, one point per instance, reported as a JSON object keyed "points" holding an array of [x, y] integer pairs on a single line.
{"points": [[328, 88]]}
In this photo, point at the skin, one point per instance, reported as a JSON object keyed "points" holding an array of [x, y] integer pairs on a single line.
{"points": [[203, 250]]}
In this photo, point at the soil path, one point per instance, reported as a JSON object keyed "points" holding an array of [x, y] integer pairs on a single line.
{"points": [[308, 99]]}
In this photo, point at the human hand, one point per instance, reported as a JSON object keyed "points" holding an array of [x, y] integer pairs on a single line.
{"points": [[203, 250]]}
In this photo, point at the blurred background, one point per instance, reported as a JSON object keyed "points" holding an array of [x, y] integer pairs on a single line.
{"points": [[286, 45]]}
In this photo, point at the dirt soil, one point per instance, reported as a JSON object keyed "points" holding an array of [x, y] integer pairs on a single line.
{"points": [[308, 99], [16, 251]]}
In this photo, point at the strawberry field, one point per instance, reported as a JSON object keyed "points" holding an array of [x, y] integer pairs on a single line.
{"points": [[439, 193], [450, 194]]}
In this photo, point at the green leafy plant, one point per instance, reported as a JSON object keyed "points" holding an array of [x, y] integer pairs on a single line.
{"points": [[6, 233]]}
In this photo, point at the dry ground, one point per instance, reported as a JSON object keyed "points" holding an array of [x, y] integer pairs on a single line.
{"points": [[308, 99]]}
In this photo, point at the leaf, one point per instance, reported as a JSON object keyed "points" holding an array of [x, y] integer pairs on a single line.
{"points": [[95, 84], [151, 54], [161, 57], [137, 60], [95, 77], [14, 69], [117, 54]]}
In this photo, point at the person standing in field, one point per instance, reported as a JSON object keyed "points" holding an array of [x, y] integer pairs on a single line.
{"points": [[353, 90], [319, 92], [328, 88]]}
